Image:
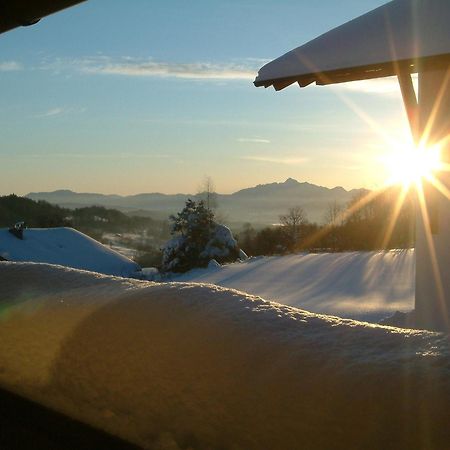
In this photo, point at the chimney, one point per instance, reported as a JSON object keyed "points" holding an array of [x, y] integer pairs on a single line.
{"points": [[17, 230]]}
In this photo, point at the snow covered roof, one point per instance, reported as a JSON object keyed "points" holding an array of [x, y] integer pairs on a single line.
{"points": [[66, 247], [16, 13], [374, 45]]}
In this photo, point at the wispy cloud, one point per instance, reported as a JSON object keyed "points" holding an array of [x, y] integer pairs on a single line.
{"points": [[253, 140], [10, 66], [58, 111], [160, 69], [50, 113], [275, 160], [85, 156], [147, 67]]}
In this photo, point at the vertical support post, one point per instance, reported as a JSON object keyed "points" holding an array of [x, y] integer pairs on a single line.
{"points": [[433, 211], [410, 102]]}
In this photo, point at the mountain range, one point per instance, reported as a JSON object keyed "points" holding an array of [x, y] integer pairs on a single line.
{"points": [[259, 205]]}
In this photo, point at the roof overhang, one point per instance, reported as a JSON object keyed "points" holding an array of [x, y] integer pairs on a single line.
{"points": [[402, 35], [16, 13]]}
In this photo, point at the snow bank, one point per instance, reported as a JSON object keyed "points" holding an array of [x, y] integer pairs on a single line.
{"points": [[359, 285], [179, 365], [67, 247]]}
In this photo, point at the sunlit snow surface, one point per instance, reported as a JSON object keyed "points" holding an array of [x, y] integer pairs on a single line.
{"points": [[68, 247], [178, 366], [359, 285]]}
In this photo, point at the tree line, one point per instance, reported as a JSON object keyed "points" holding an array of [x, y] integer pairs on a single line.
{"points": [[370, 221], [92, 220]]}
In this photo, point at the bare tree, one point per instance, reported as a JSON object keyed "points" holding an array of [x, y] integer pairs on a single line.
{"points": [[293, 222], [207, 193], [334, 220], [334, 215]]}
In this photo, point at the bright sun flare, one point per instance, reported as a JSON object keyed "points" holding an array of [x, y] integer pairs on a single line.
{"points": [[409, 164]]}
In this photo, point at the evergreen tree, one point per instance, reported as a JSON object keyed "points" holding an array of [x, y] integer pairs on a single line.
{"points": [[197, 239]]}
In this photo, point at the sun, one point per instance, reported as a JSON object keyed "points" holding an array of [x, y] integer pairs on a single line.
{"points": [[409, 164]]}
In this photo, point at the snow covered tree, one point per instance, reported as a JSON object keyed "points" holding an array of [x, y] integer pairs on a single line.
{"points": [[197, 239]]}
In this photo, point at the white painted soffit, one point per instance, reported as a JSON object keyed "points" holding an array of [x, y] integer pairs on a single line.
{"points": [[402, 33]]}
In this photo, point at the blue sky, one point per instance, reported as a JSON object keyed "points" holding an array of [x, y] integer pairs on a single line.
{"points": [[119, 96]]}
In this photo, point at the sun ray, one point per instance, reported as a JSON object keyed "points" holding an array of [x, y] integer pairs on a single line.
{"points": [[407, 164], [369, 121], [364, 116], [430, 244], [342, 217], [444, 190], [430, 124], [393, 220]]}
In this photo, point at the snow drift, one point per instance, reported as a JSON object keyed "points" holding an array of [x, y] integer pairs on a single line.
{"points": [[67, 247], [366, 286], [183, 365]]}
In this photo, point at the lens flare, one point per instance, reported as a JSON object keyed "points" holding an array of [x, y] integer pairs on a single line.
{"points": [[407, 165]]}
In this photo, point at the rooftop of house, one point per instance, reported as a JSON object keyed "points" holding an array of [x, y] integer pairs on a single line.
{"points": [[66, 247]]}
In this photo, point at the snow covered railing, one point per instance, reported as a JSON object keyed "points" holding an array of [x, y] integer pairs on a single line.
{"points": [[183, 365]]}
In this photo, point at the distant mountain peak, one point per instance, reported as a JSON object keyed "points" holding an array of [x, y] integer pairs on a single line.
{"points": [[261, 204], [291, 182]]}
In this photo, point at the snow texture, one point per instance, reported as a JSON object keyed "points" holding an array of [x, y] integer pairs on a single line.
{"points": [[172, 248], [221, 243], [67, 247], [182, 365], [366, 286]]}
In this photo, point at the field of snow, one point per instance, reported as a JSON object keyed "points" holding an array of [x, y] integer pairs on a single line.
{"points": [[67, 247], [365, 286], [191, 366]]}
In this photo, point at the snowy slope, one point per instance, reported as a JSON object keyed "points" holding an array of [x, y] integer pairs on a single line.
{"points": [[359, 285], [67, 247], [178, 366]]}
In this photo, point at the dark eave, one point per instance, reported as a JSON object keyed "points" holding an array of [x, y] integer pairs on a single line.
{"points": [[16, 13]]}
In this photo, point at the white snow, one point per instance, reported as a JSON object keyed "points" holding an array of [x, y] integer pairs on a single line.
{"points": [[180, 365], [359, 285], [171, 248], [151, 274], [220, 244], [67, 247]]}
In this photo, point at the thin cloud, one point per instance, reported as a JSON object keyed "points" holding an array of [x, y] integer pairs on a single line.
{"points": [[102, 156], [253, 140], [199, 71], [58, 111], [275, 160], [138, 67], [50, 113], [10, 66]]}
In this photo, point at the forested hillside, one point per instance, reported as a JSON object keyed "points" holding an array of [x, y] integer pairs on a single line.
{"points": [[39, 214], [89, 220]]}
